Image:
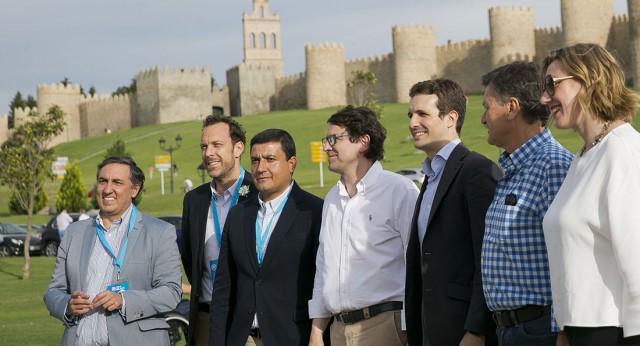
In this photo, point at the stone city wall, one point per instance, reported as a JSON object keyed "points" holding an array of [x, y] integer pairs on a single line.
{"points": [[100, 114]]}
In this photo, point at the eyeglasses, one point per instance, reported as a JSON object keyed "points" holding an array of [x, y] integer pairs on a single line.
{"points": [[550, 83], [332, 139]]}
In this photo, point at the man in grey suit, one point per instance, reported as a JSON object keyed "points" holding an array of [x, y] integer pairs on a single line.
{"points": [[116, 272]]}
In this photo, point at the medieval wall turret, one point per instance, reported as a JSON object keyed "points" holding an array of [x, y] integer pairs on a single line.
{"points": [[326, 83], [261, 31], [634, 41], [414, 50], [68, 99], [512, 32], [618, 43], [586, 21], [4, 128]]}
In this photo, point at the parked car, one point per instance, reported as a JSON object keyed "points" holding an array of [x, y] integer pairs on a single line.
{"points": [[415, 174], [50, 238], [12, 239]]}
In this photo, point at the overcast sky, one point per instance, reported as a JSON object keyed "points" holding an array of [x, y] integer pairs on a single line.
{"points": [[105, 43]]}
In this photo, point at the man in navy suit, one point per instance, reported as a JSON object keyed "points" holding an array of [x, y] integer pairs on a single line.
{"points": [[222, 144], [445, 304], [267, 259]]}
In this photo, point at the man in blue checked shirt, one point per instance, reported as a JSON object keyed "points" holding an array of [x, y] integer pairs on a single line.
{"points": [[515, 269]]}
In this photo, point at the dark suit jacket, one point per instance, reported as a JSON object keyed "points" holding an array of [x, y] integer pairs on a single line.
{"points": [[443, 279], [279, 290], [194, 223]]}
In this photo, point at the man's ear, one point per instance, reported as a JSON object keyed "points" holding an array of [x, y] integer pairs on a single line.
{"points": [[513, 107], [365, 140], [238, 149], [452, 118]]}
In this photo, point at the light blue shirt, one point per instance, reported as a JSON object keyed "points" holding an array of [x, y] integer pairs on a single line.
{"points": [[433, 170]]}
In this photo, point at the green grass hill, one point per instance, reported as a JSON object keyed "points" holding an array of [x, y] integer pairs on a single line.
{"points": [[305, 126]]}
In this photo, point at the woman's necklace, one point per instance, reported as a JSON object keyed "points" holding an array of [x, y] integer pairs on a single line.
{"points": [[598, 138]]}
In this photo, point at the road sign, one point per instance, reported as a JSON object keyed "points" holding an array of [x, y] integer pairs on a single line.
{"points": [[317, 154], [59, 166], [163, 163]]}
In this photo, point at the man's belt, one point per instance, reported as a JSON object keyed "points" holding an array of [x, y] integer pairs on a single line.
{"points": [[351, 317], [204, 307], [510, 318]]}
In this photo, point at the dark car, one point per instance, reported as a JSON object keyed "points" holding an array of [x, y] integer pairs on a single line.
{"points": [[50, 238], [12, 239], [175, 220]]}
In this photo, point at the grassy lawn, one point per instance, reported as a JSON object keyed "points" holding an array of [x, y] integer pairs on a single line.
{"points": [[24, 319]]}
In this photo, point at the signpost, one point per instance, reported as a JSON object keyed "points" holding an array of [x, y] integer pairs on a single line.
{"points": [[163, 164], [318, 155], [59, 166]]}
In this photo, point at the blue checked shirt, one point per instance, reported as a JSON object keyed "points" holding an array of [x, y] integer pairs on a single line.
{"points": [[515, 269]]}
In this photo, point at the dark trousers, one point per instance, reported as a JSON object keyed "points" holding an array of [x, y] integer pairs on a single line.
{"points": [[532, 333], [600, 336]]}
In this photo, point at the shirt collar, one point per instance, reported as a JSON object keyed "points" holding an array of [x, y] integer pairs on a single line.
{"points": [[368, 180], [117, 222], [523, 154], [228, 192], [435, 166], [274, 203]]}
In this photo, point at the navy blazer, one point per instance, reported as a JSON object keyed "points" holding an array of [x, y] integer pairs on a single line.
{"points": [[278, 291], [195, 211], [444, 278]]}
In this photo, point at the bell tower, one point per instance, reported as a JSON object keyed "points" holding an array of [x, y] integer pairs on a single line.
{"points": [[261, 31]]}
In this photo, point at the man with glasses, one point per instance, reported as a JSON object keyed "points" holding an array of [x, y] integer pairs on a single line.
{"points": [[445, 303], [360, 266], [515, 269]]}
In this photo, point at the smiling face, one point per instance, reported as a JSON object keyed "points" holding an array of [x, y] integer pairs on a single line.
{"points": [[564, 102], [271, 171], [115, 191], [430, 132], [344, 154], [220, 156]]}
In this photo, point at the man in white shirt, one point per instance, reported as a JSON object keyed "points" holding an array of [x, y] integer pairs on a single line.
{"points": [[360, 265], [62, 222]]}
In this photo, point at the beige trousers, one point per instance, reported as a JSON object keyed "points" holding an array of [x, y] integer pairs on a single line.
{"points": [[384, 330], [251, 341]]}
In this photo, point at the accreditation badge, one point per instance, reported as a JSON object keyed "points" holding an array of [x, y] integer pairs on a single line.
{"points": [[117, 287]]}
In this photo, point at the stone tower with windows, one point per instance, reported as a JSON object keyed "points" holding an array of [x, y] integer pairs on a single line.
{"points": [[252, 83]]}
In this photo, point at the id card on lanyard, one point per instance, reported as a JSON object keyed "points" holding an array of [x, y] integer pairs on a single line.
{"points": [[213, 264], [119, 285]]}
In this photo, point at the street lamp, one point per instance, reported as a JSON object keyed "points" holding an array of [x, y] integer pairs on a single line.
{"points": [[170, 149], [202, 171]]}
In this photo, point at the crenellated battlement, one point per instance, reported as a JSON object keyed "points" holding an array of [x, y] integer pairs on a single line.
{"points": [[291, 78], [324, 46], [548, 30], [58, 88], [621, 19], [370, 59], [462, 46], [185, 72], [403, 28], [105, 98], [515, 9]]}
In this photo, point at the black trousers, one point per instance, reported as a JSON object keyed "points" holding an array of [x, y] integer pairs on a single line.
{"points": [[599, 336]]}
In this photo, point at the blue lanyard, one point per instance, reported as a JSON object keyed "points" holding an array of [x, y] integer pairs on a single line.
{"points": [[117, 261], [261, 237], [214, 211]]}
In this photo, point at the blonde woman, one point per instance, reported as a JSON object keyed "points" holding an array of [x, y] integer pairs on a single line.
{"points": [[592, 228]]}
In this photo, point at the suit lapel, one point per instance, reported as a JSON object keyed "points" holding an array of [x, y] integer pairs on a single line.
{"points": [[133, 237], [202, 205], [88, 242], [250, 232], [449, 173]]}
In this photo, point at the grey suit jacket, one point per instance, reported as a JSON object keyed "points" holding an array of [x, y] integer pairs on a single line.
{"points": [[151, 265]]}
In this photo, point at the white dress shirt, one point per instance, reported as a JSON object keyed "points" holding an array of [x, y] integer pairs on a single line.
{"points": [[363, 240], [211, 246], [92, 328]]}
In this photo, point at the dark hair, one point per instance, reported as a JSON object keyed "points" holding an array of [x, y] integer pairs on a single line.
{"points": [[521, 80], [362, 121], [450, 97], [276, 135], [604, 93], [236, 132], [136, 175]]}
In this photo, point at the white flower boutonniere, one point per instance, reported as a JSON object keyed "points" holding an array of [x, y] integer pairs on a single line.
{"points": [[244, 190]]}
